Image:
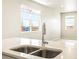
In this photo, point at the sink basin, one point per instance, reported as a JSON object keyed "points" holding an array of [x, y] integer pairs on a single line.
{"points": [[25, 49], [38, 51], [47, 53]]}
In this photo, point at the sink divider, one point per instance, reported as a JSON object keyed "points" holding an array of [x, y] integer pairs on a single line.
{"points": [[35, 51]]}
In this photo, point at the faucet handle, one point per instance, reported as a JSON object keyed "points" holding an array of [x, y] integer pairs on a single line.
{"points": [[45, 42]]}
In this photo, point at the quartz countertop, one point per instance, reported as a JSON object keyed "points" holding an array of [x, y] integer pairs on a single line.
{"points": [[67, 46]]}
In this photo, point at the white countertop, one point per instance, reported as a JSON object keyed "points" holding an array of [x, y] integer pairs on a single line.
{"points": [[67, 46]]}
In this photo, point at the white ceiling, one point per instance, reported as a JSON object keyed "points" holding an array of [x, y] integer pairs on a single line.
{"points": [[65, 4], [50, 3]]}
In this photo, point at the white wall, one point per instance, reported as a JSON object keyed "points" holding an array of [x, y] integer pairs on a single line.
{"points": [[11, 20], [52, 19], [69, 5]]}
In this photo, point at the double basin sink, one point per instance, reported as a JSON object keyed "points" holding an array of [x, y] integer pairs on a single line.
{"points": [[38, 51]]}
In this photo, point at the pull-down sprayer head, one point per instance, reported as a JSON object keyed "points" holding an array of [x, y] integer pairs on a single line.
{"points": [[44, 29]]}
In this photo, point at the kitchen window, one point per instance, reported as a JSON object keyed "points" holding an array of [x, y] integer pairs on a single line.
{"points": [[30, 19], [69, 22]]}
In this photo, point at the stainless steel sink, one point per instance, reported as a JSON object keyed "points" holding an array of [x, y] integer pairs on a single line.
{"points": [[38, 51], [47, 53], [25, 49]]}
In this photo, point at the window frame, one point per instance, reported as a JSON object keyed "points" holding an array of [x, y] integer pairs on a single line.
{"points": [[30, 26]]}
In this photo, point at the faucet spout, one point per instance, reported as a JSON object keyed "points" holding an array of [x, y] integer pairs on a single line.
{"points": [[43, 34]]}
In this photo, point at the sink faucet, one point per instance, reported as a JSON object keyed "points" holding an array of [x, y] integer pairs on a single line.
{"points": [[43, 34]]}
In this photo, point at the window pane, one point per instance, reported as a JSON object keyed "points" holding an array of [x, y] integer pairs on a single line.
{"points": [[69, 20], [35, 19], [24, 19], [26, 23], [25, 14]]}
